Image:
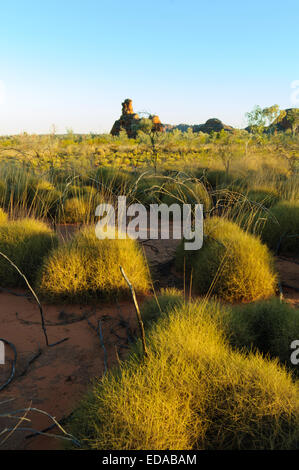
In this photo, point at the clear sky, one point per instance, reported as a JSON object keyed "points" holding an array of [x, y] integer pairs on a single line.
{"points": [[72, 62]]}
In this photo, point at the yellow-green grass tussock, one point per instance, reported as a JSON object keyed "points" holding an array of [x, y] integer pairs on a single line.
{"points": [[155, 307], [85, 269], [231, 264], [26, 242], [270, 326], [3, 216], [192, 392], [281, 230]]}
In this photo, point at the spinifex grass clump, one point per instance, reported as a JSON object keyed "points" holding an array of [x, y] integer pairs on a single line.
{"points": [[78, 204], [74, 210], [113, 179], [219, 178], [165, 301], [85, 269], [269, 326], [26, 242], [146, 190], [3, 216], [281, 230], [43, 198], [192, 392], [232, 264], [189, 192], [263, 196]]}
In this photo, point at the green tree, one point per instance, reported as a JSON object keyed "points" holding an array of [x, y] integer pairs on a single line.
{"points": [[271, 113], [293, 118], [145, 126], [259, 117], [256, 120]]}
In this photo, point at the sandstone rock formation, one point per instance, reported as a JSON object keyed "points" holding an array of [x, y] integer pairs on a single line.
{"points": [[126, 121], [211, 125], [157, 124], [129, 120]]}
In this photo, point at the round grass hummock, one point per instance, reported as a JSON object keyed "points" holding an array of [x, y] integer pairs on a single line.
{"points": [[74, 210], [269, 326], [263, 196], [232, 264], [165, 301], [86, 269], [193, 392], [281, 230], [26, 242]]}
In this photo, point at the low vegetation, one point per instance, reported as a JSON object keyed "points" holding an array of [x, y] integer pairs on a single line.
{"points": [[85, 269], [268, 326], [3, 216], [160, 305], [26, 242], [232, 264], [74, 210], [201, 394], [267, 197], [281, 230], [217, 376]]}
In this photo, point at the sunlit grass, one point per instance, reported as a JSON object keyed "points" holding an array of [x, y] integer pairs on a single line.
{"points": [[26, 242], [192, 392], [232, 264], [3, 216], [85, 269], [269, 326], [281, 229]]}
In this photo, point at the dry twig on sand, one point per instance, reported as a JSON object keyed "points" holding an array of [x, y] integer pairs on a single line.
{"points": [[140, 322]]}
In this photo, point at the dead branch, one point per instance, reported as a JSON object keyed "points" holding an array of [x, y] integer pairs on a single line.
{"points": [[100, 334], [31, 360], [139, 318], [67, 436], [35, 297]]}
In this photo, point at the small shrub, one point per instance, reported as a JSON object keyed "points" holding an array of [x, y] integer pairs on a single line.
{"points": [[85, 269], [192, 392], [269, 326], [232, 264], [281, 229], [26, 242], [166, 300]]}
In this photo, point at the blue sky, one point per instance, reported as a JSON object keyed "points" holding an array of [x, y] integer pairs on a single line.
{"points": [[73, 62]]}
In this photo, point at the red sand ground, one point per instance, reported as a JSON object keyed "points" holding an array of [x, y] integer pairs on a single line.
{"points": [[56, 380]]}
